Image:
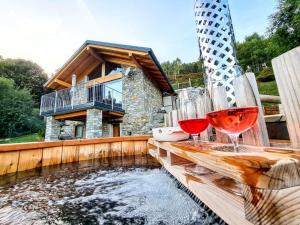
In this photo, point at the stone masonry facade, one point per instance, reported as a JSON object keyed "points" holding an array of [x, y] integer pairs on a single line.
{"points": [[142, 102], [93, 123], [53, 127]]}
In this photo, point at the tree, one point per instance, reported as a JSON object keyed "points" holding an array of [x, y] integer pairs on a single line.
{"points": [[16, 108], [285, 24], [25, 74], [256, 51]]}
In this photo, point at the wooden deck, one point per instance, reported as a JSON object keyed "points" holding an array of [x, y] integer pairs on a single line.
{"points": [[259, 185]]}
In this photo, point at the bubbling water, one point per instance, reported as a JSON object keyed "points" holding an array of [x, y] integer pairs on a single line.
{"points": [[99, 193]]}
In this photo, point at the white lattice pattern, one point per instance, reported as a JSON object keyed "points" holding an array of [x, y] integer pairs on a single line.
{"points": [[217, 44]]}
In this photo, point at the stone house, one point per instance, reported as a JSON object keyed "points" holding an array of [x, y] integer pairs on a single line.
{"points": [[105, 90]]}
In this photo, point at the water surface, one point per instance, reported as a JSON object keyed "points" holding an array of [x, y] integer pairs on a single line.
{"points": [[124, 191]]}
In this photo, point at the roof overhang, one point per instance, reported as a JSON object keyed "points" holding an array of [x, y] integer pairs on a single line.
{"points": [[93, 53]]}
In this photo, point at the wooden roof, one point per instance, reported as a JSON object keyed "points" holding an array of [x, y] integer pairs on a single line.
{"points": [[93, 53]]}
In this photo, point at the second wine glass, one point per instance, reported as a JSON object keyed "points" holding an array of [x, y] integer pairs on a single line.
{"points": [[189, 119]]}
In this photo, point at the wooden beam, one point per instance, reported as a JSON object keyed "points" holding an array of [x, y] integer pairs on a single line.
{"points": [[95, 54], [119, 61], [119, 55], [103, 69], [70, 115], [113, 114], [105, 79], [62, 83], [87, 70], [142, 53]]}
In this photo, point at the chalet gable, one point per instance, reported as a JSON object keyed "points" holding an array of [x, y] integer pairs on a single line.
{"points": [[93, 54]]}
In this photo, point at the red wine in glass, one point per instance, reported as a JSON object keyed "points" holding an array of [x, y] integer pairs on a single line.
{"points": [[233, 121], [194, 126]]}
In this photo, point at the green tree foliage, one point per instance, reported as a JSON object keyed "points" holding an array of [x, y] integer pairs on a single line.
{"points": [[176, 67], [285, 24], [257, 51], [25, 74], [16, 112]]}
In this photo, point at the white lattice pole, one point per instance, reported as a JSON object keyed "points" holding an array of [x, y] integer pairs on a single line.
{"points": [[217, 43], [218, 53]]}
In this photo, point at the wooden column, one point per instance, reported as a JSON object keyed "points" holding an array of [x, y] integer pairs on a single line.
{"points": [[287, 73]]}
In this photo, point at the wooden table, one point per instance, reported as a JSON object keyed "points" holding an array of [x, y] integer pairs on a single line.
{"points": [[258, 185]]}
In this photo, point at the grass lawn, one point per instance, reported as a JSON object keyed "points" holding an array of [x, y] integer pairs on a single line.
{"points": [[268, 88], [21, 139]]}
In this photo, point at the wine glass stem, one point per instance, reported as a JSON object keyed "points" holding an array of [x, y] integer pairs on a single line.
{"points": [[195, 139], [235, 141]]}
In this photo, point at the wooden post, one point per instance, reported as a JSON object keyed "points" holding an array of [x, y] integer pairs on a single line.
{"points": [[258, 135], [175, 118], [287, 73]]}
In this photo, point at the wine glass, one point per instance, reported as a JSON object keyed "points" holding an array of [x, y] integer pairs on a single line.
{"points": [[236, 115], [189, 118]]}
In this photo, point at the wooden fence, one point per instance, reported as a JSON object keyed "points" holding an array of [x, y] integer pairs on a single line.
{"points": [[26, 156]]}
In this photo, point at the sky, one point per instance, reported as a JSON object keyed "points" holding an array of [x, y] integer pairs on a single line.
{"points": [[49, 32]]}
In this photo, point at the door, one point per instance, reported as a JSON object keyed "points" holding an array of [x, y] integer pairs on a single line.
{"points": [[116, 130]]}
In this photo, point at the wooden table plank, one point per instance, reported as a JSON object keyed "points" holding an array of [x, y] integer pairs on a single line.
{"points": [[260, 167]]}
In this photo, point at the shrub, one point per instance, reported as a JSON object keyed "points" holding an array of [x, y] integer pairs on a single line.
{"points": [[266, 75]]}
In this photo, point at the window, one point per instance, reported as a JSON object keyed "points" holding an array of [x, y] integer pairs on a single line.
{"points": [[116, 85], [79, 131], [112, 68]]}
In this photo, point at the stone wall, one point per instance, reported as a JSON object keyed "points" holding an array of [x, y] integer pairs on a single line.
{"points": [[105, 129], [142, 102], [53, 127], [93, 123], [68, 128]]}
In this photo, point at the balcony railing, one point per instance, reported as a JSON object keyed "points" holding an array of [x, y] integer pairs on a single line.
{"points": [[81, 96]]}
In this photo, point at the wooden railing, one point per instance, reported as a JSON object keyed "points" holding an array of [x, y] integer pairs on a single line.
{"points": [[26, 156]]}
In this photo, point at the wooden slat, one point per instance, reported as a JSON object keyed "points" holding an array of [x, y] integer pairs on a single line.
{"points": [[260, 167], [29, 146], [102, 150], [70, 115], [280, 207], [115, 149], [30, 159], [52, 156], [8, 162], [86, 152], [140, 147], [286, 69], [225, 204], [70, 154], [127, 148]]}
